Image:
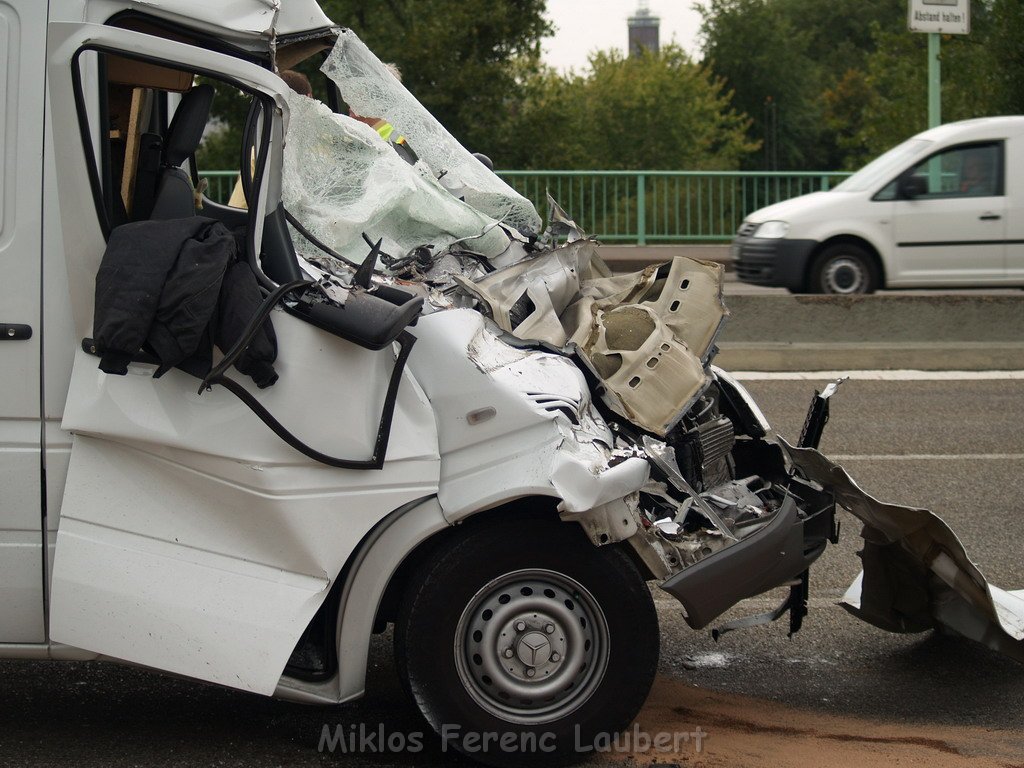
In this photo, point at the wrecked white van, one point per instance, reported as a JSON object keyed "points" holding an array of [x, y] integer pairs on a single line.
{"points": [[465, 427]]}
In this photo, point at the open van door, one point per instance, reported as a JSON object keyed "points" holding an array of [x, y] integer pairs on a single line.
{"points": [[22, 36], [193, 539]]}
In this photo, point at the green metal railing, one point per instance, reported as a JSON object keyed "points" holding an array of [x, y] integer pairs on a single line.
{"points": [[645, 207], [221, 184]]}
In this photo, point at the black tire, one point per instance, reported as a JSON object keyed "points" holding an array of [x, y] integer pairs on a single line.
{"points": [[846, 269], [451, 596]]}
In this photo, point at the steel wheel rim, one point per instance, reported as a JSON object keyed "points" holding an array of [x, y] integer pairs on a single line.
{"points": [[845, 275], [531, 646]]}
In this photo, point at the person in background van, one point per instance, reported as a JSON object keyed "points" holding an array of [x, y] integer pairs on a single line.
{"points": [[976, 174]]}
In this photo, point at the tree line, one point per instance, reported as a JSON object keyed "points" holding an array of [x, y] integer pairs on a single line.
{"points": [[778, 84]]}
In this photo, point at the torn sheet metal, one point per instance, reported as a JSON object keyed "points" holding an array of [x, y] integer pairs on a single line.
{"points": [[614, 521], [542, 435], [648, 335], [917, 574], [528, 299], [561, 224], [341, 179], [583, 487], [664, 457], [264, 19], [368, 87]]}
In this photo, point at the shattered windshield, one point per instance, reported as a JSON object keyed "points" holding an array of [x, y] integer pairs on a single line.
{"points": [[883, 167], [343, 179]]}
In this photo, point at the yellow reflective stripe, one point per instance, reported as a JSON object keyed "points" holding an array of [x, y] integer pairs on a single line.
{"points": [[385, 130]]}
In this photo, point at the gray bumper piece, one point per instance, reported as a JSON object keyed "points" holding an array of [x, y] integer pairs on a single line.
{"points": [[763, 560], [773, 262]]}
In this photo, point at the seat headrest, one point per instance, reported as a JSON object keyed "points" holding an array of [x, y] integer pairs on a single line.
{"points": [[188, 124]]}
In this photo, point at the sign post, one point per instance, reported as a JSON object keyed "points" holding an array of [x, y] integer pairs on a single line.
{"points": [[937, 17]]}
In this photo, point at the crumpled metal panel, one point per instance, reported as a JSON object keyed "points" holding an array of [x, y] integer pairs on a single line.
{"points": [[258, 18], [648, 335], [540, 434], [917, 574], [549, 283], [653, 376]]}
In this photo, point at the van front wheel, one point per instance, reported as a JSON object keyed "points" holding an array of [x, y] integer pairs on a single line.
{"points": [[521, 642], [844, 268]]}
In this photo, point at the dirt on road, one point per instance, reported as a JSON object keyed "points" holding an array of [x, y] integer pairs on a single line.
{"points": [[740, 732]]}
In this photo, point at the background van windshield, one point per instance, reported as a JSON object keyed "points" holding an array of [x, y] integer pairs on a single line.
{"points": [[883, 167]]}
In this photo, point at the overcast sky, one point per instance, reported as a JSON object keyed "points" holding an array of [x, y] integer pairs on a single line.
{"points": [[582, 26]]}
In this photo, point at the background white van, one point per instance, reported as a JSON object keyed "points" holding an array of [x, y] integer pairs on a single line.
{"points": [[943, 209]]}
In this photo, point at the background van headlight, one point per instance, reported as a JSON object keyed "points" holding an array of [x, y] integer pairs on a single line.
{"points": [[772, 230]]}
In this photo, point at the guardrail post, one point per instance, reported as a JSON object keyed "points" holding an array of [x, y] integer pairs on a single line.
{"points": [[641, 209], [824, 183]]}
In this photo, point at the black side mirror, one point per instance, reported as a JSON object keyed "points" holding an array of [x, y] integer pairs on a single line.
{"points": [[372, 319], [910, 186]]}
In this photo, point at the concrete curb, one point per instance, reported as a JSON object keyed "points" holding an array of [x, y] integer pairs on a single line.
{"points": [[924, 332], [830, 356], [630, 258]]}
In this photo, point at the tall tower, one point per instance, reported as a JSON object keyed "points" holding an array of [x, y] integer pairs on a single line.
{"points": [[643, 30]]}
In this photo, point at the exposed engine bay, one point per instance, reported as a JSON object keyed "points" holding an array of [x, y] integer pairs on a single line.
{"points": [[727, 509]]}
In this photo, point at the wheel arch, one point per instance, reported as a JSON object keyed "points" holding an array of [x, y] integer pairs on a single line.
{"points": [[535, 507], [846, 239], [373, 582], [523, 508], [370, 587]]}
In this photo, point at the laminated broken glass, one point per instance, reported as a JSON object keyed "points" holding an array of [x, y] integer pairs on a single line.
{"points": [[341, 180], [370, 89]]}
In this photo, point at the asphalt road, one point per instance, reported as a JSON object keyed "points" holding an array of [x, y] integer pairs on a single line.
{"points": [[969, 438]]}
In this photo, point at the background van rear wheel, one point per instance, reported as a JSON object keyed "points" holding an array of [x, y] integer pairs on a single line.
{"points": [[520, 641], [844, 268]]}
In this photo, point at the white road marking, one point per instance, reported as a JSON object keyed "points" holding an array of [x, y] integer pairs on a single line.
{"points": [[880, 375], [926, 456]]}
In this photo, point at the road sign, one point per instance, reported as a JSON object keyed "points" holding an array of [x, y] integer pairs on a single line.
{"points": [[949, 17]]}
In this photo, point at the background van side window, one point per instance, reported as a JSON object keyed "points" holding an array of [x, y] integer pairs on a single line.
{"points": [[967, 170]]}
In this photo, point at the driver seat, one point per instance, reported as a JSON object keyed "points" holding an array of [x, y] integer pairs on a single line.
{"points": [[175, 195]]}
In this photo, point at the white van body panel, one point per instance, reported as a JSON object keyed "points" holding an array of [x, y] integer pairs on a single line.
{"points": [[255, 21], [58, 349], [1015, 221], [529, 446], [22, 50], [192, 539], [815, 216], [976, 224]]}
